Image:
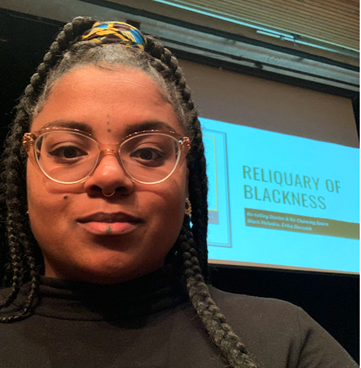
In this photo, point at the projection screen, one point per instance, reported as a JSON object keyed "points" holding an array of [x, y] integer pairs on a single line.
{"points": [[283, 168]]}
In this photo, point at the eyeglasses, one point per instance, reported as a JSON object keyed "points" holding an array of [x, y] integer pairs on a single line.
{"points": [[70, 156]]}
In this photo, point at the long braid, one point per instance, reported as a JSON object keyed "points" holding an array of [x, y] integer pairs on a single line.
{"points": [[15, 201], [14, 177], [214, 321]]}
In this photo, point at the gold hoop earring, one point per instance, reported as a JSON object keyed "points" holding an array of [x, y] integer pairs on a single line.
{"points": [[188, 207]]}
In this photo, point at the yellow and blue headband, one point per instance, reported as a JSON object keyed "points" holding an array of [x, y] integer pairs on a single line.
{"points": [[109, 32]]}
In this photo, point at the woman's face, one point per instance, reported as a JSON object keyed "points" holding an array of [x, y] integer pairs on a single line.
{"points": [[67, 220]]}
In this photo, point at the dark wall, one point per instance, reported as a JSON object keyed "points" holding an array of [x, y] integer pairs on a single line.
{"points": [[330, 299], [23, 42]]}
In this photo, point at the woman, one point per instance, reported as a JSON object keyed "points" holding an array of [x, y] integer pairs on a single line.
{"points": [[103, 171]]}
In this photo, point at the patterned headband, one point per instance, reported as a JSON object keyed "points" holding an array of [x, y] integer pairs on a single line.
{"points": [[109, 32]]}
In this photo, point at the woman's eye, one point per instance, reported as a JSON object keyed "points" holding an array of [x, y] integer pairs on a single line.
{"points": [[148, 155], [67, 152]]}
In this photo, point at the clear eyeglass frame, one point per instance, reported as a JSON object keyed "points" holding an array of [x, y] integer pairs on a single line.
{"points": [[30, 139]]}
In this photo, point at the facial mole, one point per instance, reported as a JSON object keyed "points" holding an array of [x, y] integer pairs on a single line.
{"points": [[109, 230], [65, 197]]}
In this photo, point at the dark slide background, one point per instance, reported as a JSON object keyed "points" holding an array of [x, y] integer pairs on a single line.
{"points": [[330, 299]]}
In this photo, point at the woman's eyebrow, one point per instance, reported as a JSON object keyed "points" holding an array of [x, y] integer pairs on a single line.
{"points": [[84, 127], [129, 128], [147, 125]]}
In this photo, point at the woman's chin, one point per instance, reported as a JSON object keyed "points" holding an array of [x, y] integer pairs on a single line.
{"points": [[103, 269]]}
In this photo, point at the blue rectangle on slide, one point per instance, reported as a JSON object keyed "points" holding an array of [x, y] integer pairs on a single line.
{"points": [[287, 175]]}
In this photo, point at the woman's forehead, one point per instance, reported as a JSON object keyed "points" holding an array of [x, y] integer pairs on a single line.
{"points": [[107, 99], [128, 128]]}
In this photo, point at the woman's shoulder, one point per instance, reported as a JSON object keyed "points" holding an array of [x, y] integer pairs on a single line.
{"points": [[252, 313], [273, 316], [256, 308], [248, 302], [275, 328]]}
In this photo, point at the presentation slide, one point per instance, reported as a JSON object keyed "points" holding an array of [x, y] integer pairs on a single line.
{"points": [[277, 200]]}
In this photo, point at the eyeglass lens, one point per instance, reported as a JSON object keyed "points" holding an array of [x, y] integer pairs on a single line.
{"points": [[70, 157]]}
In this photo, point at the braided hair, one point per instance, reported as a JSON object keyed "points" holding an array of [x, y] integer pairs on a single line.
{"points": [[20, 258]]}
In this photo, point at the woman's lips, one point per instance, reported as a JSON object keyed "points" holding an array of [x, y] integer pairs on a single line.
{"points": [[109, 223]]}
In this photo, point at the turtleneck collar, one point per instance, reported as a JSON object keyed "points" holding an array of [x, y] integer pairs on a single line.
{"points": [[133, 299]]}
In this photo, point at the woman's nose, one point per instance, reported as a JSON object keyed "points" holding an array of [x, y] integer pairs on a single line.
{"points": [[109, 177]]}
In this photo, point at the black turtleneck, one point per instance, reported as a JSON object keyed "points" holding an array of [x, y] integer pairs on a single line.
{"points": [[134, 299], [149, 322]]}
